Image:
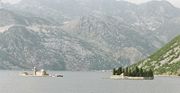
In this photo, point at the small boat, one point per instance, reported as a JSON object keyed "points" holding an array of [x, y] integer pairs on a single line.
{"points": [[56, 75], [59, 75]]}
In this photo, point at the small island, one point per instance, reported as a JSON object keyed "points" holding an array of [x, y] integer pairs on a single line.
{"points": [[36, 73], [132, 74], [39, 73]]}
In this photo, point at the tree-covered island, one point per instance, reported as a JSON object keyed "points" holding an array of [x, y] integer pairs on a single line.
{"points": [[132, 73]]}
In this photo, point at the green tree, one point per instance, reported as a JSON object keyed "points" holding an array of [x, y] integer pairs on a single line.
{"points": [[137, 71], [114, 71], [130, 72], [151, 73], [126, 71], [119, 71], [141, 72]]}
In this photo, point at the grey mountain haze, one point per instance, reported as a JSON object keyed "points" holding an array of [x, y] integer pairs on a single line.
{"points": [[83, 34]]}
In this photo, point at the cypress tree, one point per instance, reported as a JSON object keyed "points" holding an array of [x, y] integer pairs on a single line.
{"points": [[137, 71], [119, 71], [130, 72], [151, 73], [141, 72], [126, 71], [114, 71]]}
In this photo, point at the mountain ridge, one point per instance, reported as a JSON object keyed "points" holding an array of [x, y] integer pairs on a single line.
{"points": [[83, 35]]}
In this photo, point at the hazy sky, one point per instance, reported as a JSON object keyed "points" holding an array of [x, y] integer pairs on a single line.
{"points": [[10, 1], [174, 2]]}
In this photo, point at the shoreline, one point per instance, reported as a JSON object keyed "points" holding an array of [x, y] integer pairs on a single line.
{"points": [[166, 76], [119, 77]]}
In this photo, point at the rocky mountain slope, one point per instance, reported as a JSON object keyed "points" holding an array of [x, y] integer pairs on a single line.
{"points": [[83, 34], [166, 60]]}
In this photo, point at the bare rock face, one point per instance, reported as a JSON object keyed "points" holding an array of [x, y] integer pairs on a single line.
{"points": [[83, 34]]}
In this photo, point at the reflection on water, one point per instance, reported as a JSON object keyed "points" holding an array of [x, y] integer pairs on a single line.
{"points": [[84, 82]]}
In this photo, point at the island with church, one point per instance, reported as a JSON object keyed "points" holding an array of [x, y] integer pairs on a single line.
{"points": [[39, 73], [132, 74]]}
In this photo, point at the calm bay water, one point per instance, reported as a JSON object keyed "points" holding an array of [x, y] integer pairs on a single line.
{"points": [[84, 82]]}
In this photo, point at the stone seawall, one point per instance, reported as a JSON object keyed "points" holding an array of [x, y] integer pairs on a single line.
{"points": [[119, 77]]}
